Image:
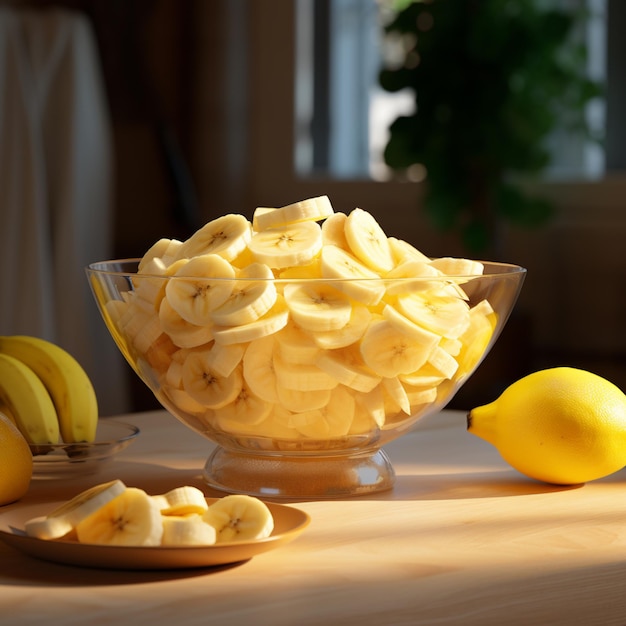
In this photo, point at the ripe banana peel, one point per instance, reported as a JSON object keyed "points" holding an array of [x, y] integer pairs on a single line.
{"points": [[27, 401], [71, 399]]}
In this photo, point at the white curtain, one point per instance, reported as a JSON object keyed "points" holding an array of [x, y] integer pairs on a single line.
{"points": [[56, 189]]}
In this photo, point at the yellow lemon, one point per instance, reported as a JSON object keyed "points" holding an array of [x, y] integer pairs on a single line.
{"points": [[560, 425], [16, 462]]}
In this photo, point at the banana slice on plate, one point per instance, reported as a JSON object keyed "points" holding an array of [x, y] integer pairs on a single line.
{"points": [[239, 517], [182, 501], [131, 519], [187, 530], [65, 518]]}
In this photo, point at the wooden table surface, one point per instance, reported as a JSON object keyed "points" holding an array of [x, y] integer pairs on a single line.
{"points": [[461, 539]]}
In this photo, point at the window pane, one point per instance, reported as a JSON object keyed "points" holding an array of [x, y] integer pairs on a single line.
{"points": [[343, 116]]}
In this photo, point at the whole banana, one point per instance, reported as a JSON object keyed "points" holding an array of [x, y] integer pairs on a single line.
{"points": [[68, 384], [28, 402]]}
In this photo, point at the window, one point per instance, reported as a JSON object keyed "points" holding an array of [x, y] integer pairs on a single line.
{"points": [[342, 114]]}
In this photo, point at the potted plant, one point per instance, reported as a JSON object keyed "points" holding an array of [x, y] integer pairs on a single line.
{"points": [[492, 80]]}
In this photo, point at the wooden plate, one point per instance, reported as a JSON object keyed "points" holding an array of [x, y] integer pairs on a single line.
{"points": [[289, 522]]}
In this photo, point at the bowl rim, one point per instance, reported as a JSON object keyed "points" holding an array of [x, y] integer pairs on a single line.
{"points": [[501, 268], [132, 432]]}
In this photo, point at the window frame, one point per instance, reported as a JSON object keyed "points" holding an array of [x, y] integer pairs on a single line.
{"points": [[272, 178]]}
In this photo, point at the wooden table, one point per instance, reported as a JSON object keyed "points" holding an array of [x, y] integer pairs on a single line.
{"points": [[461, 539]]}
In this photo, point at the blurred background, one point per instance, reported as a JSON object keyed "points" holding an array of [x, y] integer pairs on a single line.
{"points": [[488, 129]]}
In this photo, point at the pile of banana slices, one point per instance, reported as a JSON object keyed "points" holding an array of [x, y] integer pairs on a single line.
{"points": [[46, 392], [116, 515], [302, 324]]}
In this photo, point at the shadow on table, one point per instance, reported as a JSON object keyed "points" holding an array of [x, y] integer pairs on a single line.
{"points": [[491, 484], [18, 569]]}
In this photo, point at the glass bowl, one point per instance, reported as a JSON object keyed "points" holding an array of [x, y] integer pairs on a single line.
{"points": [[64, 460], [300, 399]]}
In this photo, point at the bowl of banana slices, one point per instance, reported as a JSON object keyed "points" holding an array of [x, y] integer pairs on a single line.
{"points": [[302, 341]]}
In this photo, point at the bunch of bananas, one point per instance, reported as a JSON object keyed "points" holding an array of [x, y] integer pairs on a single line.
{"points": [[46, 392]]}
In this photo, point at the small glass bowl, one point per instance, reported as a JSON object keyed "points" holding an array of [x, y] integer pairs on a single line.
{"points": [[63, 460]]}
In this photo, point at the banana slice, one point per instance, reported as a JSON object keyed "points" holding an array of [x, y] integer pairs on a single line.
{"points": [[312, 209], [415, 276], [317, 306], [249, 299], [419, 396], [476, 338], [297, 345], [151, 286], [299, 400], [390, 352], [163, 249], [182, 333], [346, 366], [226, 236], [436, 311], [270, 323], [200, 287], [239, 518], [368, 242], [245, 409], [331, 421], [360, 319], [182, 400], [395, 390], [402, 251], [156, 250], [148, 334], [182, 501], [425, 376], [312, 270], [258, 368], [131, 519], [358, 281], [287, 246], [369, 411], [65, 518], [452, 346], [458, 266], [224, 359], [409, 328], [333, 231], [302, 377], [443, 362], [207, 386], [187, 530]]}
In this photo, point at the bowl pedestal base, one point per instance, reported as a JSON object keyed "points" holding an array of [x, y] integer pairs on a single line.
{"points": [[284, 476]]}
